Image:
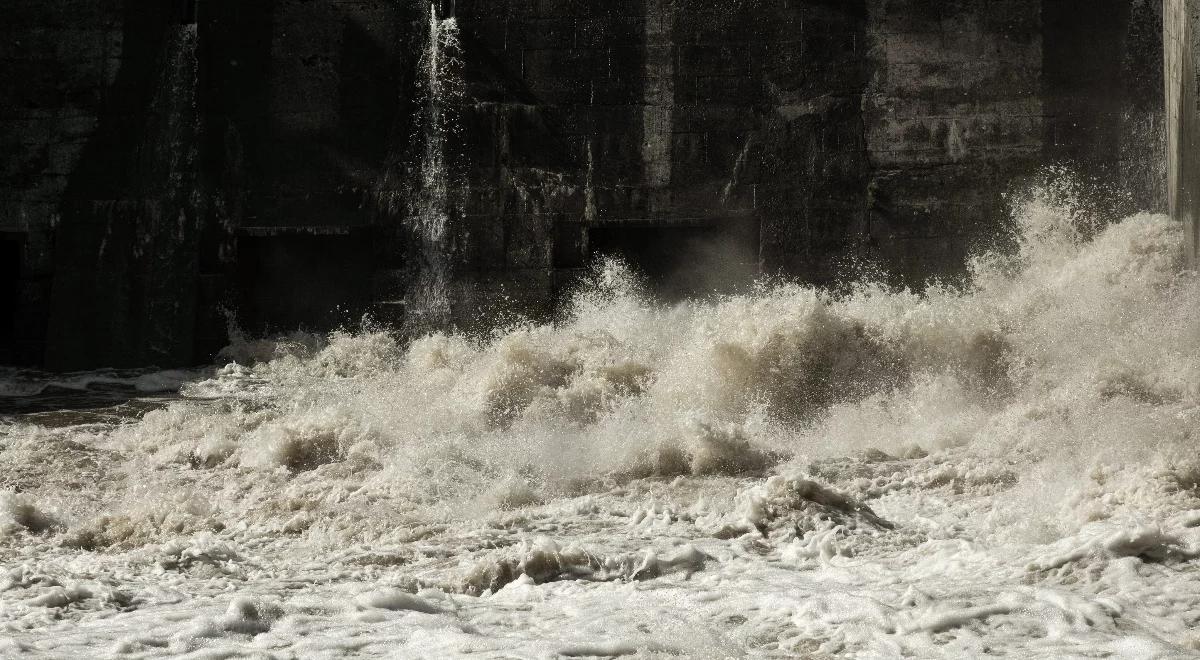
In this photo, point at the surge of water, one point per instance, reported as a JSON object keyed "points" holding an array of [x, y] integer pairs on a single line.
{"points": [[1007, 463]]}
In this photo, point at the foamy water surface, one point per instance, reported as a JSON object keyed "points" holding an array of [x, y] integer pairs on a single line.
{"points": [[1006, 468]]}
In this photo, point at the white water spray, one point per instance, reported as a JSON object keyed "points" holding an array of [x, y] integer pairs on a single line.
{"points": [[429, 303], [882, 474]]}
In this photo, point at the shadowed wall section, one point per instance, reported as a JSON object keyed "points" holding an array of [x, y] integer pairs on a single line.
{"points": [[169, 164], [1102, 89], [954, 115], [124, 286]]}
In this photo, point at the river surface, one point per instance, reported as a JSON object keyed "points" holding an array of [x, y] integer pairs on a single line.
{"points": [[1004, 468]]}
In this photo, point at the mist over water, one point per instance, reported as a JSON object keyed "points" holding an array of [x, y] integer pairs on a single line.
{"points": [[1024, 443]]}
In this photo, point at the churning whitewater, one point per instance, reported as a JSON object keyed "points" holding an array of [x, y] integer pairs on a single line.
{"points": [[1007, 467]]}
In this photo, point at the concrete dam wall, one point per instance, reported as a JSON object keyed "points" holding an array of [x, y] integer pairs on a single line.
{"points": [[1181, 43], [172, 168]]}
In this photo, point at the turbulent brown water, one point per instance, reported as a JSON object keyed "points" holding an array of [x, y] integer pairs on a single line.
{"points": [[1005, 466]]}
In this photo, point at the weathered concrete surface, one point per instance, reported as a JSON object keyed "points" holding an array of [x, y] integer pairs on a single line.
{"points": [[57, 59], [1102, 90], [1181, 43], [954, 114], [124, 291]]}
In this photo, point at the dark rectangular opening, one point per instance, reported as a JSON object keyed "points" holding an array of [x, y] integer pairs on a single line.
{"points": [[11, 247], [308, 282], [684, 262]]}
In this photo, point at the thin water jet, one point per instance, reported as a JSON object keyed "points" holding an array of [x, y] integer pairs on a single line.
{"points": [[428, 303]]}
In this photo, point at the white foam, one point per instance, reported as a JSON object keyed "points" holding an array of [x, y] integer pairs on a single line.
{"points": [[1008, 465]]}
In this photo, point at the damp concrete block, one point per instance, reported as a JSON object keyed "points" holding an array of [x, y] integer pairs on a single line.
{"points": [[707, 30], [63, 156], [950, 200], [44, 188], [598, 119], [713, 118], [528, 241], [562, 75], [610, 31], [779, 58], [740, 90], [491, 33], [503, 294], [23, 165], [542, 33], [484, 241], [952, 137], [320, 118], [627, 61], [57, 44], [618, 89], [689, 157], [613, 154], [806, 113], [606, 8], [19, 133], [917, 261], [33, 301], [38, 231], [27, 216], [728, 59], [621, 203], [33, 88], [471, 10], [908, 16], [32, 14], [992, 80]]}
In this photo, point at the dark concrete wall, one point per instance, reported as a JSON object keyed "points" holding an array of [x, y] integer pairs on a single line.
{"points": [[1102, 90], [58, 61], [675, 114], [147, 137], [954, 115], [162, 160], [124, 285]]}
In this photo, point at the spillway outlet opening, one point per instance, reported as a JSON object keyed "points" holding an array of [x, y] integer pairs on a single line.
{"points": [[683, 262], [310, 279]]}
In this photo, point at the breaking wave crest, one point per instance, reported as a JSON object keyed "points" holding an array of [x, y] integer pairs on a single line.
{"points": [[1080, 350], [1035, 426]]}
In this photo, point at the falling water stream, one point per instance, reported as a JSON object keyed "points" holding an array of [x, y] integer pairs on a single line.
{"points": [[429, 303]]}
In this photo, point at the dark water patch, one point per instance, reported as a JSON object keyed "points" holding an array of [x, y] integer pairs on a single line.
{"points": [[87, 397], [79, 409]]}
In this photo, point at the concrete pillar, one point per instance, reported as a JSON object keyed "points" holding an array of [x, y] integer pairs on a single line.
{"points": [[1181, 42], [659, 109]]}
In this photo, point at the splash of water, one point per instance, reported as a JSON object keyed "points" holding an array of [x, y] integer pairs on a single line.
{"points": [[786, 375], [1027, 440]]}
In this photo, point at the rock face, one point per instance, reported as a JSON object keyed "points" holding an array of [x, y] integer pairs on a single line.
{"points": [[169, 164]]}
